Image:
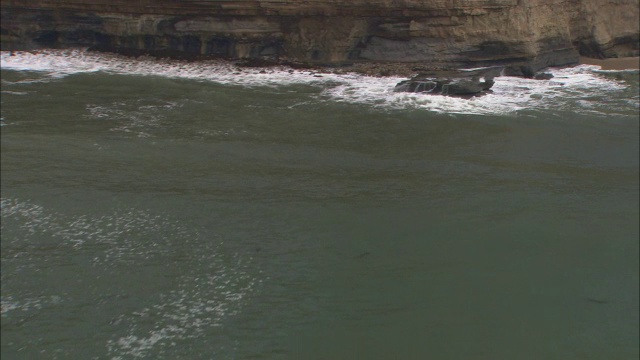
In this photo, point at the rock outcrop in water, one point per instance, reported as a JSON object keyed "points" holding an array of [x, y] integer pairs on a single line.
{"points": [[438, 34], [455, 83]]}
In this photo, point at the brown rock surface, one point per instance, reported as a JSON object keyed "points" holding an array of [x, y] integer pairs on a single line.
{"points": [[524, 35]]}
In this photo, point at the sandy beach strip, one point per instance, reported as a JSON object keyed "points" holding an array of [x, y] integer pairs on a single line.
{"points": [[613, 63]]}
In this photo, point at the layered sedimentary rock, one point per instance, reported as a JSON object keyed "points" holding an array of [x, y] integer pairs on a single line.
{"points": [[524, 35]]}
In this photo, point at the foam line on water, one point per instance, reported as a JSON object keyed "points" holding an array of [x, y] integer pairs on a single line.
{"points": [[60, 63], [210, 287], [570, 89], [509, 94]]}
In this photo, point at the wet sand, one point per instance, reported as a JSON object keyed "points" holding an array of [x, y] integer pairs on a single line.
{"points": [[613, 63]]}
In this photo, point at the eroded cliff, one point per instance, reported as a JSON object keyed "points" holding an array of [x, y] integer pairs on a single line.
{"points": [[525, 35]]}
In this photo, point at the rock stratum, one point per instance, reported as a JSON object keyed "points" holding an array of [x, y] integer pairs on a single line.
{"points": [[523, 35]]}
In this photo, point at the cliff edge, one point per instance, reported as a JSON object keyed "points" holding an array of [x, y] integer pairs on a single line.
{"points": [[525, 36]]}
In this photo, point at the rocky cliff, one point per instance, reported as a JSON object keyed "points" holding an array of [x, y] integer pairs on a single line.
{"points": [[526, 35]]}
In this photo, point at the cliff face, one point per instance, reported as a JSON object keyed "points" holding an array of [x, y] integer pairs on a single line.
{"points": [[528, 35]]}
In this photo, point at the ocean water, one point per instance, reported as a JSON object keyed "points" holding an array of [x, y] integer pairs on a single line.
{"points": [[156, 209]]}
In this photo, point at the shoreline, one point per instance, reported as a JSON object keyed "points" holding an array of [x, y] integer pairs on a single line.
{"points": [[375, 69], [625, 63]]}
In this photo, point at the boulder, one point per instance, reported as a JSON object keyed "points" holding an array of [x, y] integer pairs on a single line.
{"points": [[454, 83]]}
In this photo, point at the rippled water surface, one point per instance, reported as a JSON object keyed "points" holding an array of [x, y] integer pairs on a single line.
{"points": [[172, 210]]}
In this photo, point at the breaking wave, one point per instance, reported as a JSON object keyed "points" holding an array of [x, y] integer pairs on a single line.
{"points": [[580, 89]]}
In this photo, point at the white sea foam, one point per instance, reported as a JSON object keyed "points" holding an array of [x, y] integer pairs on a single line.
{"points": [[14, 92], [510, 94], [135, 118], [9, 303], [212, 288]]}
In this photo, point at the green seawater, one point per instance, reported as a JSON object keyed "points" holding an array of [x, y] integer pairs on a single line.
{"points": [[150, 217]]}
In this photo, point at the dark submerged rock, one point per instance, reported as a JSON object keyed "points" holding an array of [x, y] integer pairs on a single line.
{"points": [[543, 76]]}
